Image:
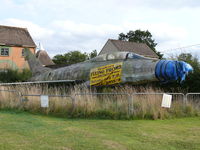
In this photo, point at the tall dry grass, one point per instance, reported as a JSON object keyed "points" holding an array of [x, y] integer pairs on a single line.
{"points": [[83, 102]]}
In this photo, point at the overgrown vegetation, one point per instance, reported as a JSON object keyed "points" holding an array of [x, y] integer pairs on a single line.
{"points": [[15, 75], [97, 106]]}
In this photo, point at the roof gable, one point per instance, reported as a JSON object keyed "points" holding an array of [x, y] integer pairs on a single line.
{"points": [[14, 36], [44, 58], [138, 48]]}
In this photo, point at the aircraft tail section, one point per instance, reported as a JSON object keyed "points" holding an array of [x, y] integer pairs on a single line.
{"points": [[34, 64]]}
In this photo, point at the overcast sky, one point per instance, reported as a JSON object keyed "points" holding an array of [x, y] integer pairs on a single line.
{"points": [[85, 25]]}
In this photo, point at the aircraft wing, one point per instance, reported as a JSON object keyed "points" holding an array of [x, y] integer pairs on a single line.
{"points": [[44, 82]]}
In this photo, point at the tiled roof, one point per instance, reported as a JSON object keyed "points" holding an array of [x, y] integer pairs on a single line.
{"points": [[44, 58], [15, 36], [139, 48]]}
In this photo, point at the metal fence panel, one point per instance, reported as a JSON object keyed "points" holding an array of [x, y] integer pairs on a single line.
{"points": [[193, 99], [10, 98], [124, 103], [112, 102], [149, 102], [153, 96], [57, 103]]}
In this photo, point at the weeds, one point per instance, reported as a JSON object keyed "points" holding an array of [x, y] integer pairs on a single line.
{"points": [[105, 106], [15, 75]]}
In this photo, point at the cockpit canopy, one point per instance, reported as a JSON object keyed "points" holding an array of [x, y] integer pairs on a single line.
{"points": [[120, 56]]}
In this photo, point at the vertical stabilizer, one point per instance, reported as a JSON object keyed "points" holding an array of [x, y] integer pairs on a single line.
{"points": [[34, 64]]}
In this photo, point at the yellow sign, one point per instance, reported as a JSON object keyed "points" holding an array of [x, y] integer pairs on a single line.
{"points": [[106, 75]]}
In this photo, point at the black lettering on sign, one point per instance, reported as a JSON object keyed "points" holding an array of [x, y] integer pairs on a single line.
{"points": [[106, 75]]}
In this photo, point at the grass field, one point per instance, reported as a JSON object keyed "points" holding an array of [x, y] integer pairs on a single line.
{"points": [[24, 131]]}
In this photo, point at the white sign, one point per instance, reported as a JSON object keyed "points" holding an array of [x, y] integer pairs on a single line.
{"points": [[166, 101], [44, 99]]}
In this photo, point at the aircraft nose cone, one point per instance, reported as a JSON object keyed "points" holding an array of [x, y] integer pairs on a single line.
{"points": [[170, 70], [183, 70]]}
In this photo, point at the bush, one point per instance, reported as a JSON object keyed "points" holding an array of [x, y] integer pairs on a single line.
{"points": [[9, 75]]}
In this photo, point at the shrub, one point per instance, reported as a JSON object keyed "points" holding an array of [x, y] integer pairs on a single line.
{"points": [[7, 76]]}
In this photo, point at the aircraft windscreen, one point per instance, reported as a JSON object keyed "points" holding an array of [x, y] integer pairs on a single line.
{"points": [[111, 56], [118, 56], [134, 56]]}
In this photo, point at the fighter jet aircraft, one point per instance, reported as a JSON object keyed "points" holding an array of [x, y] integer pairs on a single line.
{"points": [[113, 68]]}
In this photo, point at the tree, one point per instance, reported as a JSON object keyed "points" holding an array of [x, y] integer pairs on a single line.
{"points": [[139, 36], [93, 54], [59, 59], [69, 58]]}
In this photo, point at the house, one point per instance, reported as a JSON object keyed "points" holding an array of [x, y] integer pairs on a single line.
{"points": [[13, 40], [125, 46]]}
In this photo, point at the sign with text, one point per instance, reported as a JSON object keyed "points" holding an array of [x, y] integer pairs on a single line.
{"points": [[44, 99], [106, 75], [166, 101]]}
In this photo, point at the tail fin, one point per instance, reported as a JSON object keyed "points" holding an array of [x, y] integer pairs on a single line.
{"points": [[34, 64]]}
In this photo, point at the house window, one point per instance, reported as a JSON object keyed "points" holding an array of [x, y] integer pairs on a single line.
{"points": [[23, 52], [4, 51]]}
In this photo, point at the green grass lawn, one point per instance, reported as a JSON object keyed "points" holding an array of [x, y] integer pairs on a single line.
{"points": [[24, 131]]}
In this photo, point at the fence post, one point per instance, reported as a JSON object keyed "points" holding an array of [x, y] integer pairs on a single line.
{"points": [[20, 96], [185, 99], [130, 105], [73, 102]]}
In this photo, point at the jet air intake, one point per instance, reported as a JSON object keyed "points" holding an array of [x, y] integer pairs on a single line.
{"points": [[170, 70]]}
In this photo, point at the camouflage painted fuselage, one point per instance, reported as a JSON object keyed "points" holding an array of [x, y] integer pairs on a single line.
{"points": [[108, 69], [130, 70]]}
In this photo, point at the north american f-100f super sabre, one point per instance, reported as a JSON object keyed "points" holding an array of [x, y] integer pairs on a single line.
{"points": [[113, 68]]}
